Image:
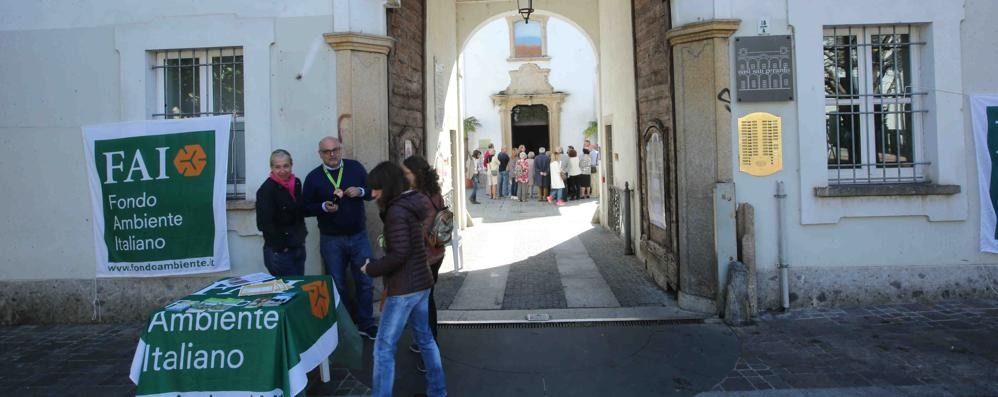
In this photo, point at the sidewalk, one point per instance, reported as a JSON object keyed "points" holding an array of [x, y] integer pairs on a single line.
{"points": [[948, 348], [943, 349]]}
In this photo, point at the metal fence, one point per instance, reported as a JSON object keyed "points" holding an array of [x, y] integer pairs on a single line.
{"points": [[206, 82], [614, 208]]}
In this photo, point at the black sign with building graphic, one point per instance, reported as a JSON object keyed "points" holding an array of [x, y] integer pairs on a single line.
{"points": [[764, 68]]}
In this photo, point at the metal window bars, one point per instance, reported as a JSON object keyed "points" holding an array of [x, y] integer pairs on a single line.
{"points": [[872, 119], [199, 82]]}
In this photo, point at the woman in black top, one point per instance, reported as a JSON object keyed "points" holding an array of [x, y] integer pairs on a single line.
{"points": [[280, 217]]}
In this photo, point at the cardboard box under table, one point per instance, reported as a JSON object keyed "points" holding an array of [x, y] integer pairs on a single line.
{"points": [[245, 350]]}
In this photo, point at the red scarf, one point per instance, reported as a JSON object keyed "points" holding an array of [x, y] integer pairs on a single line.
{"points": [[289, 184]]}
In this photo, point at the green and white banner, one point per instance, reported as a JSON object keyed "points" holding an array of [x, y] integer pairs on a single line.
{"points": [[157, 189], [984, 111]]}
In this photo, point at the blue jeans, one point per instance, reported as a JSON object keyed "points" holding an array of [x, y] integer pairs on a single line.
{"points": [[284, 263], [474, 187], [409, 309], [558, 194], [503, 184], [337, 253]]}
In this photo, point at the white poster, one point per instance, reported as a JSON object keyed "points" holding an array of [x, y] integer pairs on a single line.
{"points": [[158, 193], [984, 114]]}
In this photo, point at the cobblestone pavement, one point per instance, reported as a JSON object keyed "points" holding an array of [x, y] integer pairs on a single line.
{"points": [[948, 348], [67, 360]]}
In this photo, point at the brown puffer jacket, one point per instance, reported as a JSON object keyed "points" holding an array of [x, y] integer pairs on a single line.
{"points": [[404, 265]]}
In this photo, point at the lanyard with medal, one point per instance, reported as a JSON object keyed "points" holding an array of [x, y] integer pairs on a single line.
{"points": [[335, 182]]}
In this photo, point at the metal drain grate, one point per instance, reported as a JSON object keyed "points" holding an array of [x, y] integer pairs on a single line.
{"points": [[568, 323]]}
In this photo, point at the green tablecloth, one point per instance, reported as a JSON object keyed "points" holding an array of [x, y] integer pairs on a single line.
{"points": [[263, 351]]}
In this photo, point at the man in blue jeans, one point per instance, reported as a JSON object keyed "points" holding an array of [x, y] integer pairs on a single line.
{"points": [[334, 193], [503, 173]]}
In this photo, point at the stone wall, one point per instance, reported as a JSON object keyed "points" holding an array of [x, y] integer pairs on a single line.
{"points": [[653, 73], [406, 82], [850, 286], [117, 300]]}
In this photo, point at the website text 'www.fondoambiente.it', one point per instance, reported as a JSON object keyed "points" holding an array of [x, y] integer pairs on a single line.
{"points": [[153, 267]]}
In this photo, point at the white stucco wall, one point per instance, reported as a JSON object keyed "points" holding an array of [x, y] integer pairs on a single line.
{"points": [[88, 63], [617, 105], [866, 231], [486, 72], [442, 99]]}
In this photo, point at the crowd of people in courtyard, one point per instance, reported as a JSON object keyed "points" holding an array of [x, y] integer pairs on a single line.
{"points": [[555, 177]]}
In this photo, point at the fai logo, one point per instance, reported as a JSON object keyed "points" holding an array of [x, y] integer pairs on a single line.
{"points": [[318, 297], [190, 160]]}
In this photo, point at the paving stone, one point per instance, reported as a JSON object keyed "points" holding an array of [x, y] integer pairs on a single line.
{"points": [[534, 283]]}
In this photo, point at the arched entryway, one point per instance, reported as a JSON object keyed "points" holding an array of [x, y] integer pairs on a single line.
{"points": [[529, 87], [530, 127]]}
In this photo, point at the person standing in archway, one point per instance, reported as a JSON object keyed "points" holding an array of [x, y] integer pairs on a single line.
{"points": [[521, 172], [585, 179], [503, 173], [474, 171], [557, 179], [493, 166], [574, 170], [531, 179], [542, 176]]}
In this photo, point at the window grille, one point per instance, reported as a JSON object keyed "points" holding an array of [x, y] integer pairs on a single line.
{"points": [[873, 118], [206, 82]]}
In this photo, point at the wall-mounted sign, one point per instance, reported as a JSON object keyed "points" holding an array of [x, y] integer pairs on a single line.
{"points": [[760, 144], [764, 68]]}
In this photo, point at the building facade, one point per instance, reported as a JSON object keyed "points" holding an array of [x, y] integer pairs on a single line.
{"points": [[874, 150]]}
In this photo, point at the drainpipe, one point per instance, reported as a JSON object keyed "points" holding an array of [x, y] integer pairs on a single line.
{"points": [[781, 197], [628, 245]]}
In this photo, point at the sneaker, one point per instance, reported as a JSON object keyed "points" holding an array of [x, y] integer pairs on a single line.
{"points": [[560, 203], [369, 332], [420, 366], [550, 199], [414, 348]]}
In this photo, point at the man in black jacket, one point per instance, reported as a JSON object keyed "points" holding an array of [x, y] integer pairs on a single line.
{"points": [[279, 216]]}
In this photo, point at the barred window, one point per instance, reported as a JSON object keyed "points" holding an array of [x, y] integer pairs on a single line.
{"points": [[206, 82], [873, 117]]}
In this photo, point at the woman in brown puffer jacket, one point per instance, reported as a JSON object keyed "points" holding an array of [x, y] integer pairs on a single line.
{"points": [[406, 277]]}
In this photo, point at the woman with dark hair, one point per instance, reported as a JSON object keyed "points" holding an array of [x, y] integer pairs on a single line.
{"points": [[406, 278], [280, 217], [424, 179], [574, 171], [585, 180], [475, 171]]}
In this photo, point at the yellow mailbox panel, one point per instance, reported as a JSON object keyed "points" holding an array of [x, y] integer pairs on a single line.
{"points": [[760, 144]]}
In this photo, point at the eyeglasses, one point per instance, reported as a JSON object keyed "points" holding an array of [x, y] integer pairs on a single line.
{"points": [[329, 151]]}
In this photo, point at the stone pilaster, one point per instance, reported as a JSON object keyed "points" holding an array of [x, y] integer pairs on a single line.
{"points": [[362, 104], [701, 67], [362, 94]]}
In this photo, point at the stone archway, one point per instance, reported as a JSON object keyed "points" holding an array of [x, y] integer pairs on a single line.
{"points": [[529, 86]]}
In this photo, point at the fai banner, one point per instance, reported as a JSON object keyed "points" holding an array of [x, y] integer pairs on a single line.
{"points": [[158, 194], [984, 111]]}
